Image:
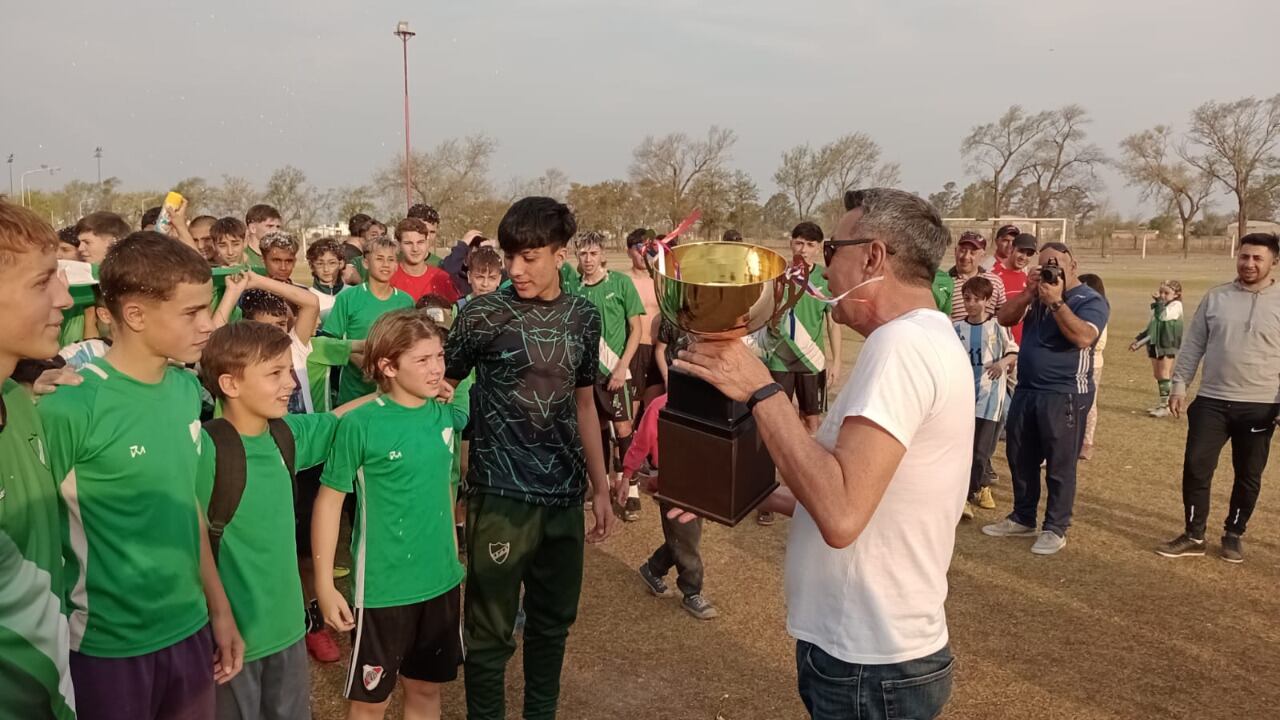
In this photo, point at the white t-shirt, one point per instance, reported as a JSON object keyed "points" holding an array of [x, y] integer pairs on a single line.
{"points": [[880, 600], [326, 303]]}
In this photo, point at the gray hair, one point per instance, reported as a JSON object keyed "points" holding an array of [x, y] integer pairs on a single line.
{"points": [[908, 225]]}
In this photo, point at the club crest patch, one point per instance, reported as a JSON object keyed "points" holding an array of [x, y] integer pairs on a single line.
{"points": [[499, 552], [371, 676]]}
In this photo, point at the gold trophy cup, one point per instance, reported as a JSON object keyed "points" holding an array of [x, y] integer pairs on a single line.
{"points": [[713, 460]]}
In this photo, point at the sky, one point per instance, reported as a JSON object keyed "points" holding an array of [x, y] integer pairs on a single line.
{"points": [[171, 90]]}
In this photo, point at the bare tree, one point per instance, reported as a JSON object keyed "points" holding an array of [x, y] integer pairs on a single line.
{"points": [[668, 166], [947, 200], [450, 176], [999, 151], [1062, 166], [1237, 146], [553, 183], [1150, 162], [801, 176], [853, 161], [233, 197], [300, 204]]}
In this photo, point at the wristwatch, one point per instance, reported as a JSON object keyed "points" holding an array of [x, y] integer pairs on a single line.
{"points": [[1056, 306], [763, 393]]}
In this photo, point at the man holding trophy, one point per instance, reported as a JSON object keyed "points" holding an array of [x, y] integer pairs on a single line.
{"points": [[877, 492]]}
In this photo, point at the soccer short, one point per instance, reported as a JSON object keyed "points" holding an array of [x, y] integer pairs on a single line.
{"points": [[421, 641], [644, 371], [1151, 353], [172, 683], [308, 488], [808, 389], [613, 406]]}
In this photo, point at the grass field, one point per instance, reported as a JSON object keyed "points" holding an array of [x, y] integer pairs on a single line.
{"points": [[1105, 629]]}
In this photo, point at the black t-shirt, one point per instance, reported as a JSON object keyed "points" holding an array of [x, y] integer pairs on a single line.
{"points": [[529, 356]]}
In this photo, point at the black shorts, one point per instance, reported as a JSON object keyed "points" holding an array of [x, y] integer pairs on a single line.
{"points": [[1151, 353], [613, 406], [422, 641], [644, 371], [809, 389]]}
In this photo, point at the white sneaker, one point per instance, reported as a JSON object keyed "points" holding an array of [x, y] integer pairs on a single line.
{"points": [[1160, 412], [1008, 528], [1048, 543]]}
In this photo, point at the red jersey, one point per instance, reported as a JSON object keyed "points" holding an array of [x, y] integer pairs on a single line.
{"points": [[434, 280], [1015, 281]]}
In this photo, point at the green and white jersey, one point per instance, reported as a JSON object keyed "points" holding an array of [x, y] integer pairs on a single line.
{"points": [[399, 462], [798, 341], [35, 681], [354, 312], [618, 301], [258, 553], [312, 363], [125, 454]]}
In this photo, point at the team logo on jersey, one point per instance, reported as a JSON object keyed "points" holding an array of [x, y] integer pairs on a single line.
{"points": [[394, 455], [136, 450], [500, 552], [371, 676], [447, 436]]}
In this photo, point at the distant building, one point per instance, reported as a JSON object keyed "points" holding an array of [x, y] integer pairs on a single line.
{"points": [[1252, 226]]}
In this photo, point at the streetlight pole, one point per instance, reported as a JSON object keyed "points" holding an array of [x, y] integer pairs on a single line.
{"points": [[404, 33], [97, 153], [23, 179], [10, 176]]}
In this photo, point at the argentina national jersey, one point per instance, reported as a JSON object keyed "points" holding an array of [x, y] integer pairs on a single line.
{"points": [[986, 343]]}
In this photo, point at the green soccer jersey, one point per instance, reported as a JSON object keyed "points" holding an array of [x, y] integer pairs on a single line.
{"points": [[434, 260], [312, 363], [618, 301], [258, 553], [125, 454], [354, 312], [35, 681], [570, 280], [799, 339], [398, 460], [254, 260]]}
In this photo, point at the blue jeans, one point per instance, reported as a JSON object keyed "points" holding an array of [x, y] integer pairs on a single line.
{"points": [[833, 689]]}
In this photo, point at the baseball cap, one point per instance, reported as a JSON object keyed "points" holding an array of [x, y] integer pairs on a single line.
{"points": [[1026, 241], [974, 239], [1007, 230]]}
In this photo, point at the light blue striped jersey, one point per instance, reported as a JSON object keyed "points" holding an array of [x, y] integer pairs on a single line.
{"points": [[986, 343]]}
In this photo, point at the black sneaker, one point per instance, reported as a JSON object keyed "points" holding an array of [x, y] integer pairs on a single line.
{"points": [[700, 607], [1232, 548], [1182, 546], [656, 585]]}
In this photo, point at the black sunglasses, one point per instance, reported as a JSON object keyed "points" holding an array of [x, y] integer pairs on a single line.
{"points": [[829, 248]]}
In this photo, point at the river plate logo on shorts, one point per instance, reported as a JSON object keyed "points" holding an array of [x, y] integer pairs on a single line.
{"points": [[499, 552], [371, 676]]}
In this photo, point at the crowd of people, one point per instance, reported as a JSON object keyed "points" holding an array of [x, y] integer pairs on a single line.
{"points": [[186, 432]]}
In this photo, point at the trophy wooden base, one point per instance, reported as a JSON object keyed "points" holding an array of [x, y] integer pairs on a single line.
{"points": [[716, 467]]}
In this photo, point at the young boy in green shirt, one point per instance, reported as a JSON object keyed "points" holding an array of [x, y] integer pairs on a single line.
{"points": [[357, 308], [247, 366], [621, 318], [35, 680], [125, 443], [399, 451], [537, 441]]}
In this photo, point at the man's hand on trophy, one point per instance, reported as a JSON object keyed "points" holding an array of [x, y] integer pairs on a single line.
{"points": [[729, 365]]}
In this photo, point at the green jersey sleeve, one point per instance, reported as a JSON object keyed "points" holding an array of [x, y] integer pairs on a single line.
{"points": [[461, 404], [330, 351], [339, 317], [312, 435], [206, 468], [346, 456], [66, 417]]}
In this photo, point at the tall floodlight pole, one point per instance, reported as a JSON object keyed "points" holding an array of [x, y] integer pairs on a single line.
{"points": [[11, 176], [97, 153], [404, 33]]}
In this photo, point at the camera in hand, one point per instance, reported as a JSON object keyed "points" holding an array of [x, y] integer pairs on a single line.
{"points": [[1050, 273]]}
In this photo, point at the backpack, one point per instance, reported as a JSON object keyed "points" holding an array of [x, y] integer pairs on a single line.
{"points": [[230, 472]]}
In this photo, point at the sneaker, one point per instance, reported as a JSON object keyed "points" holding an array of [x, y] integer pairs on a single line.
{"points": [[967, 512], [631, 510], [699, 607], [1160, 412], [1008, 528], [764, 518], [985, 499], [656, 585], [1182, 546], [1048, 543], [1232, 548], [322, 646], [340, 572], [1086, 452]]}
